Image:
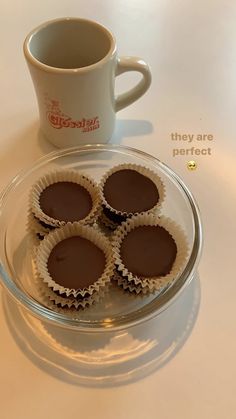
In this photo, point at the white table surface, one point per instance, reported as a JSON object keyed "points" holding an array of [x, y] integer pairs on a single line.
{"points": [[191, 48]]}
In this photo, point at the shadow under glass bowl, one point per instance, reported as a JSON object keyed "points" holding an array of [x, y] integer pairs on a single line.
{"points": [[118, 309]]}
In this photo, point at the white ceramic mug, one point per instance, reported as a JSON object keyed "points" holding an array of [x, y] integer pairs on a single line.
{"points": [[73, 64]]}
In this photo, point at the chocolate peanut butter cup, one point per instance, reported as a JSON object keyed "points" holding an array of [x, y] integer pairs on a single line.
{"points": [[65, 196], [76, 262], [127, 190], [150, 252]]}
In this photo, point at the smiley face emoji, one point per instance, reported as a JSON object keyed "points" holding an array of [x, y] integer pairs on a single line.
{"points": [[191, 165]]}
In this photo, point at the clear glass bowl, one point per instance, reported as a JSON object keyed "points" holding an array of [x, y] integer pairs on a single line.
{"points": [[117, 310]]}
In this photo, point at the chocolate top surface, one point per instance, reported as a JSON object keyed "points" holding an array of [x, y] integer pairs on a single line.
{"points": [[148, 251], [76, 263], [65, 201], [129, 191]]}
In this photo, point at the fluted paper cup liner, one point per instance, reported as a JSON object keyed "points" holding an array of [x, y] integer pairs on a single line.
{"points": [[63, 302], [130, 285], [136, 289], [33, 241], [34, 225], [130, 280], [35, 232], [107, 222], [56, 302], [65, 176], [103, 229], [143, 171], [67, 231]]}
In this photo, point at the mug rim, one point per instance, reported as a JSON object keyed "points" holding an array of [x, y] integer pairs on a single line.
{"points": [[36, 63]]}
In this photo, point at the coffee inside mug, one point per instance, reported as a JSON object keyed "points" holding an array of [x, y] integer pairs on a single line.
{"points": [[70, 44]]}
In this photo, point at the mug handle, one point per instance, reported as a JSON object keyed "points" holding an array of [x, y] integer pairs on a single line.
{"points": [[132, 64]]}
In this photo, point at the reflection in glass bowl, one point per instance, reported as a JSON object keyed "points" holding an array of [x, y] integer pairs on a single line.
{"points": [[105, 359]]}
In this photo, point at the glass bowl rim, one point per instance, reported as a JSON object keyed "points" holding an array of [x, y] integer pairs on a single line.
{"points": [[164, 300]]}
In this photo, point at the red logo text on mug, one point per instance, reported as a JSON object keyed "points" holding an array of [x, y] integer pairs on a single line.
{"points": [[59, 120]]}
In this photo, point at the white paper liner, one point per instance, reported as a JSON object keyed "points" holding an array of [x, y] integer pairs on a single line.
{"points": [[33, 229], [62, 304], [153, 284], [70, 230], [129, 286], [65, 176], [107, 222], [34, 225], [143, 171], [33, 242], [103, 229], [137, 289]]}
